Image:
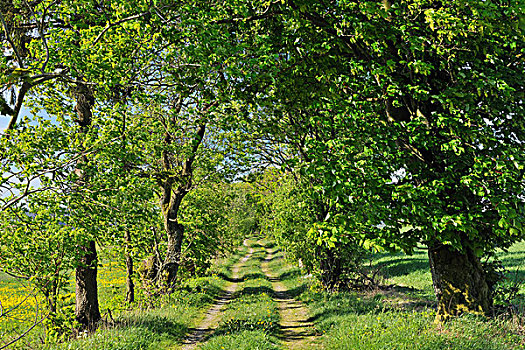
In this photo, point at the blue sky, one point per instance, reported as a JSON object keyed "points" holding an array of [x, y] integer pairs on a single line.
{"points": [[3, 122]]}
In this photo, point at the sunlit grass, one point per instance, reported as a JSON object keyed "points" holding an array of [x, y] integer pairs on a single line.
{"points": [[128, 326], [251, 320], [244, 340], [410, 331], [400, 318], [403, 318], [413, 271]]}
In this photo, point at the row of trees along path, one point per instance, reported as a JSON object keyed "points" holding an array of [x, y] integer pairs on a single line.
{"points": [[296, 331]]}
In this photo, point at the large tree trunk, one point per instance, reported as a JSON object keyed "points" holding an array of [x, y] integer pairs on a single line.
{"points": [[86, 308], [460, 282], [175, 233]]}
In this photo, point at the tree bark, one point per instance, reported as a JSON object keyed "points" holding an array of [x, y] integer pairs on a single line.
{"points": [[330, 265], [130, 286], [460, 282], [86, 308], [172, 200], [175, 233], [173, 192]]}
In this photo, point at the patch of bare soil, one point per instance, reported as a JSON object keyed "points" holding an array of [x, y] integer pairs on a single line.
{"points": [[213, 315], [296, 331]]}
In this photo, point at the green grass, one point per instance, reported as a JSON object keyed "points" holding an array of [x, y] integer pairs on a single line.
{"points": [[251, 320], [163, 327], [409, 331], [351, 321], [253, 312], [154, 329], [514, 261], [399, 318], [413, 271], [403, 317], [141, 328], [243, 340]]}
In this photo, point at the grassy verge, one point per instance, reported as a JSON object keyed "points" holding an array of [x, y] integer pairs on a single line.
{"points": [[163, 327], [413, 272], [140, 328], [403, 318], [349, 321]]}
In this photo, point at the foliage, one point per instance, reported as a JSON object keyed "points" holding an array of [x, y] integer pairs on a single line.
{"points": [[291, 213], [395, 129], [286, 214], [61, 323], [404, 119], [217, 216], [395, 124]]}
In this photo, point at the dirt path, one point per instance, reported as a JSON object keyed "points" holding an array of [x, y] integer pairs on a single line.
{"points": [[213, 315], [296, 331]]}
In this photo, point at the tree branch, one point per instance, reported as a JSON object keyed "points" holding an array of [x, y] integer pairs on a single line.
{"points": [[19, 101], [6, 30], [110, 25]]}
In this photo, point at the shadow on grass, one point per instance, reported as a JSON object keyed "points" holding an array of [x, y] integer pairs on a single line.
{"points": [[288, 275], [253, 276], [296, 291], [344, 304], [227, 278], [516, 275], [205, 287], [273, 258], [160, 325], [401, 290], [513, 263], [503, 254], [403, 266], [256, 245], [259, 257], [269, 245], [255, 290], [237, 326], [275, 251]]}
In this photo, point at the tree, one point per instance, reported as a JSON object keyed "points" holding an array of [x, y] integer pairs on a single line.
{"points": [[435, 99], [418, 109]]}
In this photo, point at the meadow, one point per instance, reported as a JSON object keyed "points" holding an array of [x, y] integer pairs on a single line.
{"points": [[402, 317]]}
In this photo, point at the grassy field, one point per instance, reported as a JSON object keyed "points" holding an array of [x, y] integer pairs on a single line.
{"points": [[403, 318], [141, 328]]}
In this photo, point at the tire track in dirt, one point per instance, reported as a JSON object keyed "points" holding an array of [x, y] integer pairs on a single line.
{"points": [[213, 316], [296, 332]]}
